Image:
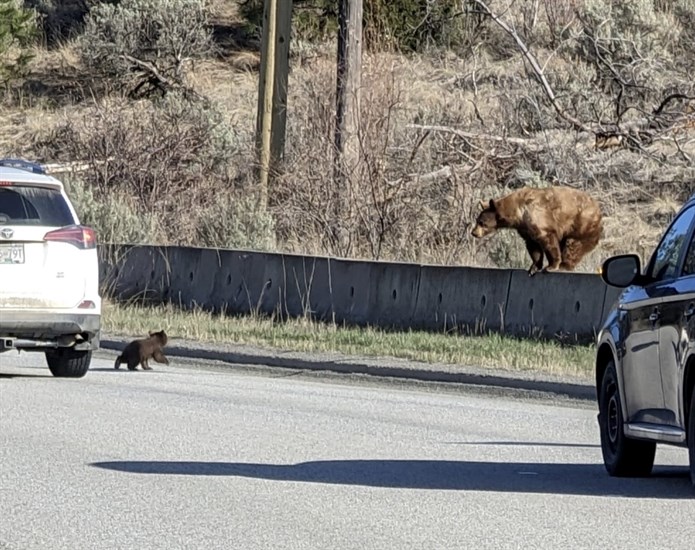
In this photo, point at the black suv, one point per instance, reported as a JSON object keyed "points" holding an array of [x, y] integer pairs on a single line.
{"points": [[645, 357]]}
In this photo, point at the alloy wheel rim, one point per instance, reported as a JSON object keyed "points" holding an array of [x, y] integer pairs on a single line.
{"points": [[612, 420]]}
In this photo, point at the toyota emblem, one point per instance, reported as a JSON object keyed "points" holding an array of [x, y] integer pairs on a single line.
{"points": [[6, 233]]}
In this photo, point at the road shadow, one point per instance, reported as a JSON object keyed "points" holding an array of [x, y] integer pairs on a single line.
{"points": [[523, 444], [508, 477], [20, 375], [125, 369]]}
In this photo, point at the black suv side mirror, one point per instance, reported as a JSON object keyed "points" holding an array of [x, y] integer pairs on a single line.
{"points": [[622, 271]]}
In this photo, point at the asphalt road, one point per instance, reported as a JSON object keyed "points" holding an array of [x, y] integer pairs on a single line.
{"points": [[197, 456]]}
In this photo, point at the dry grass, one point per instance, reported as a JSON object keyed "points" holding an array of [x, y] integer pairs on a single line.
{"points": [[495, 351], [395, 213]]}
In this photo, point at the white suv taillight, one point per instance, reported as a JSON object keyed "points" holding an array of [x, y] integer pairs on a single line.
{"points": [[78, 235]]}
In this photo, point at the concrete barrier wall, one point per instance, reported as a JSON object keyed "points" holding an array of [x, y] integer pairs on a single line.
{"points": [[384, 294]]}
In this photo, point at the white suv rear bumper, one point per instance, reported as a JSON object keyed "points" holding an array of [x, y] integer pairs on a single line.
{"points": [[37, 329]]}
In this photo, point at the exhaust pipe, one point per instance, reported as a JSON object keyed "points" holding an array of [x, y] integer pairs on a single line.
{"points": [[6, 343]]}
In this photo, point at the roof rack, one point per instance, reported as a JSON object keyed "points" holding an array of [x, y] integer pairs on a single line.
{"points": [[29, 166]]}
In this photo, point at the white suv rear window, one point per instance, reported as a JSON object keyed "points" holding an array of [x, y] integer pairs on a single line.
{"points": [[29, 205]]}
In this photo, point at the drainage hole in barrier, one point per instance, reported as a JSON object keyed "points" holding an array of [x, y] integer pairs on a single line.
{"points": [[440, 298], [190, 276], [269, 283], [394, 294], [577, 306], [229, 279], [483, 301], [530, 303], [152, 274], [352, 291]]}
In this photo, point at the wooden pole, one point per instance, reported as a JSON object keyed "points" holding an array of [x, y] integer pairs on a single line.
{"points": [[347, 146], [272, 91]]}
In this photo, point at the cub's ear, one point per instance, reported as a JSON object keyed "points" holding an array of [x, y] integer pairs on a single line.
{"points": [[482, 204], [492, 204]]}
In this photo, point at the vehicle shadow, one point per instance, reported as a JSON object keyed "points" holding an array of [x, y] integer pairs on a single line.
{"points": [[511, 477], [125, 369]]}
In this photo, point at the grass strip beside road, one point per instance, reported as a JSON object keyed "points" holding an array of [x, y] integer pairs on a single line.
{"points": [[304, 335]]}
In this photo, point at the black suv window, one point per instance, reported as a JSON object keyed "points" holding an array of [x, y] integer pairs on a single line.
{"points": [[25, 205], [689, 264], [665, 260]]}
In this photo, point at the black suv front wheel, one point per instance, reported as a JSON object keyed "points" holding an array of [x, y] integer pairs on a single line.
{"points": [[622, 456], [691, 437]]}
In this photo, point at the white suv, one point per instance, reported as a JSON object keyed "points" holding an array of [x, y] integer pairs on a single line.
{"points": [[49, 272]]}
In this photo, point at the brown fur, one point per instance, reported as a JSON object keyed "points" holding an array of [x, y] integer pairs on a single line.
{"points": [[560, 223], [140, 351]]}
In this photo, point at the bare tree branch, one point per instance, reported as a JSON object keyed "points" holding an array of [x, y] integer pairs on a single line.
{"points": [[472, 135], [158, 79], [670, 98], [577, 124]]}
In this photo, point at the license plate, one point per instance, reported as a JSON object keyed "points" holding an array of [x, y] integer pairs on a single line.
{"points": [[11, 253]]}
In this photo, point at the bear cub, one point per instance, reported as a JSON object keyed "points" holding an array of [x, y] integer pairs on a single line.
{"points": [[140, 351], [560, 223]]}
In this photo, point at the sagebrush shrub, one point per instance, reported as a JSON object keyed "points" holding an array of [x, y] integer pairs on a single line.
{"points": [[17, 30], [235, 221], [152, 150], [115, 216], [165, 34]]}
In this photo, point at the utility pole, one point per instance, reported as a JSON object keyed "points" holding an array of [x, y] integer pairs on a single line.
{"points": [[347, 145], [271, 115]]}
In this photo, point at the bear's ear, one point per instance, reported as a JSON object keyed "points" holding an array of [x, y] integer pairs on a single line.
{"points": [[492, 204], [482, 204]]}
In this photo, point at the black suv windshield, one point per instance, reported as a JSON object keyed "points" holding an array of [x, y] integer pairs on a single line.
{"points": [[30, 205]]}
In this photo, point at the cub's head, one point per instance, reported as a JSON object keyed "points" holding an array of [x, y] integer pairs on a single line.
{"points": [[161, 336], [487, 221]]}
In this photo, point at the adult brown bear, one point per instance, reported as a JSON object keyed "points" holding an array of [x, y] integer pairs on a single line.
{"points": [[562, 223]]}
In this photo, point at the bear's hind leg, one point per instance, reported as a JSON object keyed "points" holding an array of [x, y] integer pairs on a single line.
{"points": [[575, 250], [571, 254]]}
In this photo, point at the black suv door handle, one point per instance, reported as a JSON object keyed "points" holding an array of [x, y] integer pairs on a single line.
{"points": [[690, 311]]}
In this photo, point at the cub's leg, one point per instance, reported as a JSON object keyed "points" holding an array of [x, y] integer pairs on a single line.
{"points": [[118, 362], [145, 365], [159, 357], [536, 253], [133, 363]]}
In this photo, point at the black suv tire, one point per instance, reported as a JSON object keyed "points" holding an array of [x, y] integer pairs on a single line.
{"points": [[622, 456], [68, 363]]}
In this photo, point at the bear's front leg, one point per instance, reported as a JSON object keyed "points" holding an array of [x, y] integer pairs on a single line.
{"points": [[536, 253], [551, 248]]}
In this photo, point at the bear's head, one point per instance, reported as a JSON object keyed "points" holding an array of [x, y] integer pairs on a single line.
{"points": [[487, 221], [160, 336]]}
